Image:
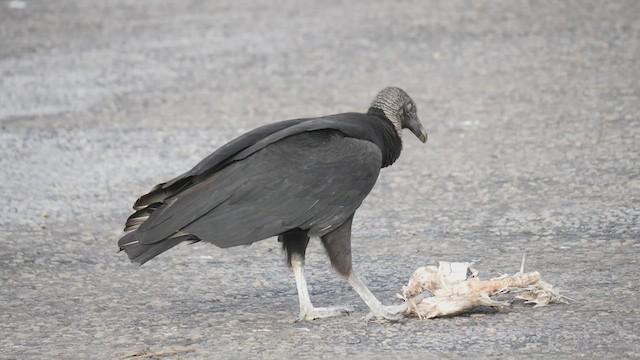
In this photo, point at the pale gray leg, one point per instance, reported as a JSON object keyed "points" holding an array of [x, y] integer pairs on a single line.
{"points": [[338, 246], [307, 310], [379, 311]]}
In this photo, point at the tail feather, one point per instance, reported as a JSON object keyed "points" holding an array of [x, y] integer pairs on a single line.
{"points": [[140, 253], [155, 195], [160, 193], [136, 219], [144, 207]]}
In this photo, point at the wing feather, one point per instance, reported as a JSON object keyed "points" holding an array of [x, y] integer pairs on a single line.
{"points": [[311, 180]]}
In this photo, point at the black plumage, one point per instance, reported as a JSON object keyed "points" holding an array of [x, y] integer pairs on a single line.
{"points": [[295, 179]]}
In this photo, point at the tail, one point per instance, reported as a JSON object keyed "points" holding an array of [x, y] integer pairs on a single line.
{"points": [[140, 253]]}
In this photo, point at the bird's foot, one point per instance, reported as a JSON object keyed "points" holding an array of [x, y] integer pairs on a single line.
{"points": [[324, 312], [387, 312]]}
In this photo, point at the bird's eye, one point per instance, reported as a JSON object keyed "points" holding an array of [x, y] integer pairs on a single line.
{"points": [[409, 106]]}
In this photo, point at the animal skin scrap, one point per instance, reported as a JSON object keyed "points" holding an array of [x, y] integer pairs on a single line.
{"points": [[455, 288]]}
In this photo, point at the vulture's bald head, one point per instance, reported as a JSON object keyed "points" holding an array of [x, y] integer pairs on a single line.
{"points": [[400, 109]]}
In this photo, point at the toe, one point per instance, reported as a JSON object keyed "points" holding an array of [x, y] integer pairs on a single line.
{"points": [[324, 312], [390, 313]]}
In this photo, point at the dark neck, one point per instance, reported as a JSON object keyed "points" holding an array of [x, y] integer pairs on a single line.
{"points": [[388, 140]]}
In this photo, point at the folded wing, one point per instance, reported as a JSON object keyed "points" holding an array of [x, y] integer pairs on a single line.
{"points": [[312, 180]]}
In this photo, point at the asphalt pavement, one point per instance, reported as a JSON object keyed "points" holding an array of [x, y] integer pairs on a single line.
{"points": [[533, 115]]}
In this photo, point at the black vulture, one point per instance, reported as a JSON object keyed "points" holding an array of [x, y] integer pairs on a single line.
{"points": [[295, 179]]}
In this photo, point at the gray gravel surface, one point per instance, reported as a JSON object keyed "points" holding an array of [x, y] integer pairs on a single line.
{"points": [[533, 112]]}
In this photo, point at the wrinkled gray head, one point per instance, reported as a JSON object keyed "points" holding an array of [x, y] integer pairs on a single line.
{"points": [[400, 109]]}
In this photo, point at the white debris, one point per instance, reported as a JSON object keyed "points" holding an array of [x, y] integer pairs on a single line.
{"points": [[455, 288]]}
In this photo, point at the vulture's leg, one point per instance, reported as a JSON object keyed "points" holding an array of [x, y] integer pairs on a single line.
{"points": [[338, 246], [295, 244]]}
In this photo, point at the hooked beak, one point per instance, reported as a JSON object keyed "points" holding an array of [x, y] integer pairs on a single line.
{"points": [[416, 128]]}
